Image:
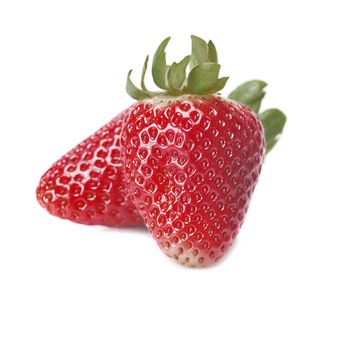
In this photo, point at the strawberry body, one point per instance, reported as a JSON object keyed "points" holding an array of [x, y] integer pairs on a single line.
{"points": [[191, 166], [87, 185]]}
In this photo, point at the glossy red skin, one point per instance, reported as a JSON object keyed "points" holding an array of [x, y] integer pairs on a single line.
{"points": [[192, 164], [87, 184]]}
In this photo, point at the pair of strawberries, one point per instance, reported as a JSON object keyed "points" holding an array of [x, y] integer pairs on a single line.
{"points": [[183, 161]]}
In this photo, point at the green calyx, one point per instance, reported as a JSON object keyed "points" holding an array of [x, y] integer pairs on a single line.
{"points": [[273, 120], [196, 74]]}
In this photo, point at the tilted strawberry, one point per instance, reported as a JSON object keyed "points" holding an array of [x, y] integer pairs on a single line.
{"points": [[87, 185], [193, 158]]}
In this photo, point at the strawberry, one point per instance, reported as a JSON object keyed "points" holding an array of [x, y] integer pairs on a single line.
{"points": [[87, 184], [193, 158]]}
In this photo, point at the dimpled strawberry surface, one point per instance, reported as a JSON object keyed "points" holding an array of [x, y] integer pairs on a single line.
{"points": [[87, 185], [192, 164]]}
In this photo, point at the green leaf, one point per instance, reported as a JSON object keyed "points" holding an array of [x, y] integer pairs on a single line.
{"points": [[250, 93], [159, 67], [202, 77], [135, 92], [177, 74], [273, 121], [212, 53], [175, 80], [144, 69], [219, 85], [269, 145], [255, 106], [199, 51]]}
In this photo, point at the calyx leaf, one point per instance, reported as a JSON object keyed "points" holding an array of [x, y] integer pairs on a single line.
{"points": [[133, 91], [144, 69], [273, 120], [177, 74], [202, 78], [219, 85], [199, 51], [250, 93], [159, 66], [212, 53]]}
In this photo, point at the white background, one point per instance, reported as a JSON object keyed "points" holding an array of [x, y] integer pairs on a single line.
{"points": [[285, 283]]}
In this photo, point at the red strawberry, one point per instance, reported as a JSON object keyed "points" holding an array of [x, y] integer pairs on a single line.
{"points": [[193, 158], [87, 185]]}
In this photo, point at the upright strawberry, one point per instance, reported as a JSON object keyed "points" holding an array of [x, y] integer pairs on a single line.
{"points": [[193, 158], [87, 184]]}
